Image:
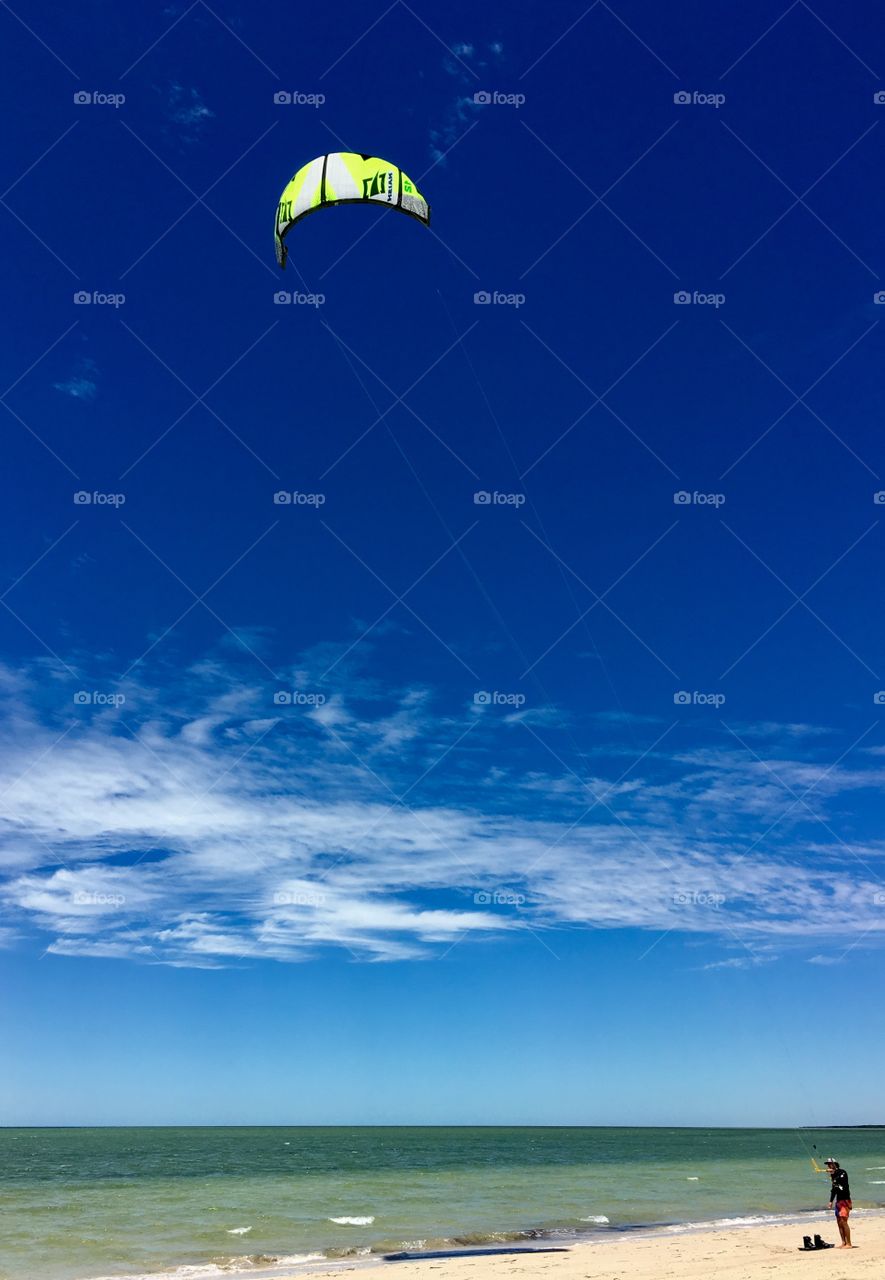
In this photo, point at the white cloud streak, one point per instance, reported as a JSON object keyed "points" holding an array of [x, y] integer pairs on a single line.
{"points": [[224, 831]]}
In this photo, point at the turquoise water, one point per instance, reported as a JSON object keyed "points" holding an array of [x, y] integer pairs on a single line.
{"points": [[83, 1203]]}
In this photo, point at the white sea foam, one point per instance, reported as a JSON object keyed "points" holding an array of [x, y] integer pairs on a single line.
{"points": [[877, 1182], [177, 1273], [695, 1179], [235, 1266], [207, 1272], [354, 1222], [238, 1231], [751, 1221], [595, 1217]]}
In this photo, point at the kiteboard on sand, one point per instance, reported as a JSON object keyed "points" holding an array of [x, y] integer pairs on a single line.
{"points": [[469, 1253]]}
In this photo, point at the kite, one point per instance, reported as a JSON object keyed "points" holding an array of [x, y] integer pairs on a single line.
{"points": [[342, 177]]}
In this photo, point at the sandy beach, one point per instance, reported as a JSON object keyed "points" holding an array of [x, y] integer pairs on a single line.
{"points": [[740, 1253]]}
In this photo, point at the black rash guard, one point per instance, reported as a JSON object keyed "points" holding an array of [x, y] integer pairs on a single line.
{"points": [[840, 1189]]}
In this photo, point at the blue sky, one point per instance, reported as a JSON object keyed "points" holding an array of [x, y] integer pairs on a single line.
{"points": [[528, 766]]}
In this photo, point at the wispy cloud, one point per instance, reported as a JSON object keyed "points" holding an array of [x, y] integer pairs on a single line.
{"points": [[197, 820], [456, 117], [186, 108], [748, 961], [459, 112], [82, 384], [774, 729]]}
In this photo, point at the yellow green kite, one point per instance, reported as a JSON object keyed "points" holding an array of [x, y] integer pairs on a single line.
{"points": [[342, 177]]}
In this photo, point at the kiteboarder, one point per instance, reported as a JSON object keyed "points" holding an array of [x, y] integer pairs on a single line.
{"points": [[840, 1199]]}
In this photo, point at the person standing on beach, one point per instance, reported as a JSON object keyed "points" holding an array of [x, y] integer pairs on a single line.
{"points": [[840, 1199]]}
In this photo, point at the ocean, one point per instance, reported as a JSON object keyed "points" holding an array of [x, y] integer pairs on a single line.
{"points": [[204, 1202]]}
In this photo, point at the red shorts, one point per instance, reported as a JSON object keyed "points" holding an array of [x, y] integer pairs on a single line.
{"points": [[843, 1208]]}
